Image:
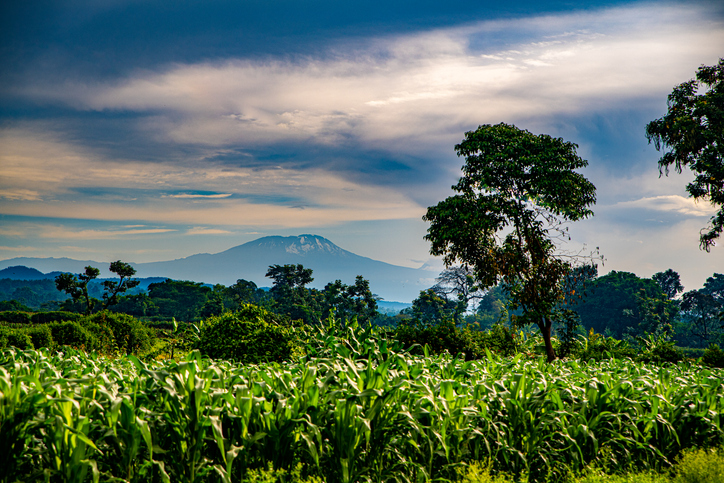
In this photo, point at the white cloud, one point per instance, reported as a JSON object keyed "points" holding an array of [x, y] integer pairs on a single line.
{"points": [[187, 195], [19, 194], [671, 203], [58, 170], [419, 86], [200, 230], [62, 232]]}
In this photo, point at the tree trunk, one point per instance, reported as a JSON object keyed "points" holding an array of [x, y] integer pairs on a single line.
{"points": [[545, 330]]}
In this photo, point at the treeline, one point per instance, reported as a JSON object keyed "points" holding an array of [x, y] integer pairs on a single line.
{"points": [[619, 305]]}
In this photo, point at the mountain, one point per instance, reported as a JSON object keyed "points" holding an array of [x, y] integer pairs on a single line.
{"points": [[251, 261], [20, 272]]}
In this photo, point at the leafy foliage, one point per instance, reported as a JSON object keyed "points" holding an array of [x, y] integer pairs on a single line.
{"points": [[77, 286], [251, 335], [516, 190], [363, 413], [693, 131]]}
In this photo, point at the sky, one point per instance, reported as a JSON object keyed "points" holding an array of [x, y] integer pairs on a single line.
{"points": [[153, 130]]}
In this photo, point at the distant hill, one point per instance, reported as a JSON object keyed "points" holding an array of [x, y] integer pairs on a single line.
{"points": [[20, 272], [251, 260]]}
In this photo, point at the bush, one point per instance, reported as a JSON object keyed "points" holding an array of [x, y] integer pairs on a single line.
{"points": [[446, 337], [598, 347], [73, 334], [713, 356], [18, 338], [658, 351], [127, 333], [700, 466], [41, 336], [54, 316], [15, 317], [250, 336], [440, 338]]}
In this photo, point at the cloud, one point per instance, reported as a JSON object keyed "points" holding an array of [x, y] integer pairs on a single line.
{"points": [[672, 203], [200, 230], [67, 174], [188, 195], [423, 86], [19, 194], [61, 232]]}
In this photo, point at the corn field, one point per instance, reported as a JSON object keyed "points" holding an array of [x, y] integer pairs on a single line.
{"points": [[366, 413]]}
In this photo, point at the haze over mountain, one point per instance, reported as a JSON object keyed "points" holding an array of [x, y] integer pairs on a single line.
{"points": [[251, 260]]}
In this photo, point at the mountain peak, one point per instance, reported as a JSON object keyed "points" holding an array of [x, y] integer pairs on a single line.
{"points": [[301, 245]]}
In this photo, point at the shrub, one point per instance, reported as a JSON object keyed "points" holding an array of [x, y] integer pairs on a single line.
{"points": [[598, 347], [18, 338], [251, 335], [713, 356], [128, 334], [700, 466], [15, 317], [446, 337], [41, 336], [54, 316], [659, 351], [440, 338], [73, 334]]}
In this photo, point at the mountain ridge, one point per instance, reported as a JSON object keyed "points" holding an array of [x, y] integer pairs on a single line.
{"points": [[251, 260]]}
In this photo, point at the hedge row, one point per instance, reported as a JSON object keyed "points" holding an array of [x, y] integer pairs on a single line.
{"points": [[103, 332], [20, 317]]}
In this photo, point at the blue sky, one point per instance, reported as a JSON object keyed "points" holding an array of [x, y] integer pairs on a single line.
{"points": [[144, 130]]}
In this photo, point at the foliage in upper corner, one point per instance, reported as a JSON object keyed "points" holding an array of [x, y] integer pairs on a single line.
{"points": [[693, 132], [516, 191], [251, 335]]}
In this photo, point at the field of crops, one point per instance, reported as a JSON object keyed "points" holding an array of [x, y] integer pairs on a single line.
{"points": [[363, 413]]}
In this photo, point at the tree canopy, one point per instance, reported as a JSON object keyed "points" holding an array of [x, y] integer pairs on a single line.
{"points": [[516, 191], [77, 286], [692, 133]]}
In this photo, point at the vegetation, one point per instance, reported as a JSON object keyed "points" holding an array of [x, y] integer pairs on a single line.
{"points": [[516, 191], [359, 410], [693, 131], [251, 335]]}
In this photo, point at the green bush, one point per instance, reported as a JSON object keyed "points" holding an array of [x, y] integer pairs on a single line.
{"points": [[440, 338], [15, 317], [15, 337], [41, 336], [700, 466], [713, 356], [128, 334], [597, 347], [74, 334], [54, 316], [446, 337], [251, 335], [659, 352]]}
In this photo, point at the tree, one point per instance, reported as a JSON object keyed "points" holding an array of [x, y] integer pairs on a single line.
{"points": [[244, 292], [349, 301], [700, 312], [289, 276], [618, 303], [670, 283], [289, 292], [77, 286], [182, 300], [460, 282], [693, 130], [516, 191], [112, 288]]}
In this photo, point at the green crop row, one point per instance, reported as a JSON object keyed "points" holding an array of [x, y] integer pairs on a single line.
{"points": [[362, 413]]}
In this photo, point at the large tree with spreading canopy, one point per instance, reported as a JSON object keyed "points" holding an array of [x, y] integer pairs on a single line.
{"points": [[516, 192]]}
